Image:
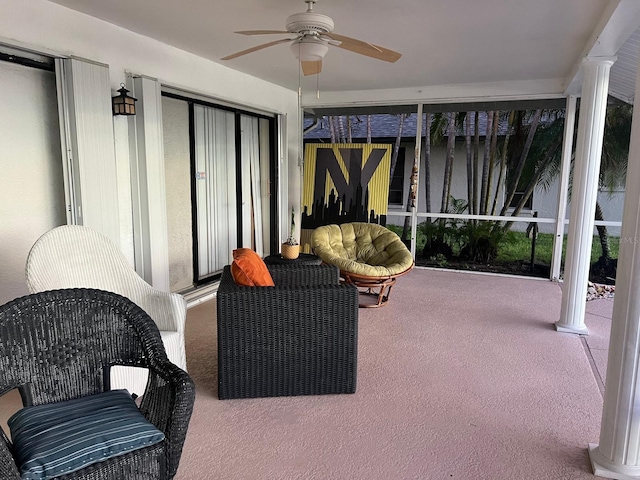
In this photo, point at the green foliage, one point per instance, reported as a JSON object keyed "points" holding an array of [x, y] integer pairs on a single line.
{"points": [[512, 247], [481, 240], [615, 146]]}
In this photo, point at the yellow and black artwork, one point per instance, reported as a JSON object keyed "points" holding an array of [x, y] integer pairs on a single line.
{"points": [[345, 182]]}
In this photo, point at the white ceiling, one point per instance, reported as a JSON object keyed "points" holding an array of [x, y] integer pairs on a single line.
{"points": [[443, 42]]}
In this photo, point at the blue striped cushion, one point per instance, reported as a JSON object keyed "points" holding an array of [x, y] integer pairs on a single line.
{"points": [[51, 440]]}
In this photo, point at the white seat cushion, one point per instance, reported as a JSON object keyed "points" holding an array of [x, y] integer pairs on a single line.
{"points": [[134, 379]]}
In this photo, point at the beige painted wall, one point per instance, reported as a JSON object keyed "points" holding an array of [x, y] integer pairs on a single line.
{"points": [[31, 182], [175, 121]]}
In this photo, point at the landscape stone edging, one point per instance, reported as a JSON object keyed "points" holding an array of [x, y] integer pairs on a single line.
{"points": [[599, 290]]}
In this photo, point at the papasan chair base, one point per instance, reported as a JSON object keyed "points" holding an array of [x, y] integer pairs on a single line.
{"points": [[378, 288]]}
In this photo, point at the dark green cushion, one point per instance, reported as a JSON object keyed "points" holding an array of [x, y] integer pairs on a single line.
{"points": [[55, 439]]}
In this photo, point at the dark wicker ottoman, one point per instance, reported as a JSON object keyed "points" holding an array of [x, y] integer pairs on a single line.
{"points": [[297, 338]]}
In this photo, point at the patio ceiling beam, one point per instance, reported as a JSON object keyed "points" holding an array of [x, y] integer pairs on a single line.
{"points": [[500, 91]]}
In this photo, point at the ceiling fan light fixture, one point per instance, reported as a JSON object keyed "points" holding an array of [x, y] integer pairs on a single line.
{"points": [[309, 49]]}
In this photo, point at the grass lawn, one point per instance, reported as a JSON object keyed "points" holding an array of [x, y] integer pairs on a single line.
{"points": [[518, 247]]}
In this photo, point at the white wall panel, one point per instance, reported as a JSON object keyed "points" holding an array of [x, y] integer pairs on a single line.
{"points": [[31, 183], [46, 27], [87, 104], [175, 120]]}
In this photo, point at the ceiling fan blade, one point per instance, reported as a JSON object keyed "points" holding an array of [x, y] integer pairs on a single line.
{"points": [[365, 48], [311, 68], [254, 49], [261, 32]]}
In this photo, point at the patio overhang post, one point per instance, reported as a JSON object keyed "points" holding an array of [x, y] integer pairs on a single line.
{"points": [[563, 187], [618, 454], [593, 105]]}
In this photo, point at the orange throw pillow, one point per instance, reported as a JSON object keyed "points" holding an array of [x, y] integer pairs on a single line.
{"points": [[249, 270]]}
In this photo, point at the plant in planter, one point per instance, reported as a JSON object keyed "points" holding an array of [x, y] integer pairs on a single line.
{"points": [[291, 248]]}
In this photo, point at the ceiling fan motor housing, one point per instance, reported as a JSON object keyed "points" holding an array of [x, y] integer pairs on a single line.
{"points": [[308, 22]]}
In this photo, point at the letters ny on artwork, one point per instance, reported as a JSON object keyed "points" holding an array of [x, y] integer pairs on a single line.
{"points": [[345, 183]]}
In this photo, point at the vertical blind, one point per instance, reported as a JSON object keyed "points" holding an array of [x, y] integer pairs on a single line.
{"points": [[215, 190], [224, 211]]}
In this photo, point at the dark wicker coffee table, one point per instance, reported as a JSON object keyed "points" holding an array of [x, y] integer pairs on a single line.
{"points": [[303, 259]]}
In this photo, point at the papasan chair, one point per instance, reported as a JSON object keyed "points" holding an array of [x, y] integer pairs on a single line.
{"points": [[368, 255]]}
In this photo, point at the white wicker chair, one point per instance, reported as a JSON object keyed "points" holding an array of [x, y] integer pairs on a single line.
{"points": [[73, 256]]}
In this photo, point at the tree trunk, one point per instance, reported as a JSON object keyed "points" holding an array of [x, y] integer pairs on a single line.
{"points": [[476, 148], [467, 124], [349, 137], [523, 157], [492, 157], [448, 166], [485, 165], [332, 129], [603, 235], [396, 147], [341, 129], [368, 129], [503, 163]]}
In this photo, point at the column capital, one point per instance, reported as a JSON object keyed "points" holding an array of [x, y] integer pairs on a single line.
{"points": [[599, 60]]}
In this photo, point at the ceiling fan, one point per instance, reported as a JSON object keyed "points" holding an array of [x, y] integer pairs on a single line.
{"points": [[310, 34]]}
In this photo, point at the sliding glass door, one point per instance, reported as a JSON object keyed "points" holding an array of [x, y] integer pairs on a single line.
{"points": [[233, 170]]}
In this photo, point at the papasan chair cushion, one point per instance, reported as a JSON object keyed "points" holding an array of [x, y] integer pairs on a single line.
{"points": [[366, 253]]}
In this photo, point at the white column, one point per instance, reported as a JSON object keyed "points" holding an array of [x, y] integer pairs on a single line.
{"points": [[618, 454], [563, 185], [586, 169]]}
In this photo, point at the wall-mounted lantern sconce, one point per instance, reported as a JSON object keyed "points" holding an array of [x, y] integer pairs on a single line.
{"points": [[123, 104]]}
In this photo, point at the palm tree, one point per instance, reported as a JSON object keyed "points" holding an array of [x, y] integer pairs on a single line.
{"points": [[448, 166], [332, 129], [613, 163], [396, 148], [470, 172], [476, 148], [524, 153], [492, 157], [503, 162], [484, 180]]}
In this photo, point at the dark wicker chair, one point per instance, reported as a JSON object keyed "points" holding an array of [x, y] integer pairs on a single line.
{"points": [[297, 338], [59, 345]]}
